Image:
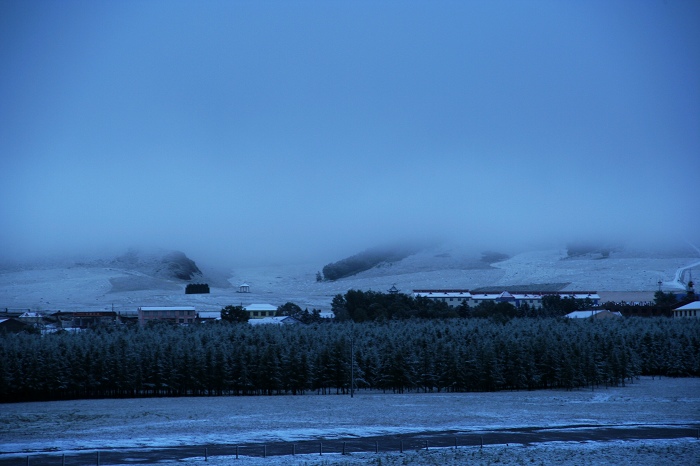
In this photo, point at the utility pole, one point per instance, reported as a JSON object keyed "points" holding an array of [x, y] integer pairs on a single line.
{"points": [[352, 367]]}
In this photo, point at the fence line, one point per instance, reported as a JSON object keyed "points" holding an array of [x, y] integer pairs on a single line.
{"points": [[383, 444]]}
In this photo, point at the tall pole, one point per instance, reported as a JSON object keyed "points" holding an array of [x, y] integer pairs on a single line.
{"points": [[352, 367]]}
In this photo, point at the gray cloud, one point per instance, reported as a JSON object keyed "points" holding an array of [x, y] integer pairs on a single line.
{"points": [[242, 132]]}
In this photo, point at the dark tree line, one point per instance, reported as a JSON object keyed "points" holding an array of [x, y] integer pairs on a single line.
{"points": [[663, 305], [362, 306], [363, 261], [236, 314], [305, 316], [452, 355], [197, 288]]}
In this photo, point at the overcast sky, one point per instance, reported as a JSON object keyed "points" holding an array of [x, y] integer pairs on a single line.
{"points": [[258, 131]]}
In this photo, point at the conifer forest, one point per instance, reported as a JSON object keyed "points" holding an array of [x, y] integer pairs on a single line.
{"points": [[454, 355]]}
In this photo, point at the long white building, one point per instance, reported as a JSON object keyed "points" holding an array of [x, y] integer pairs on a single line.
{"points": [[532, 298]]}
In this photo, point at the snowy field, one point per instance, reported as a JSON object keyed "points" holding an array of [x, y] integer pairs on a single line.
{"points": [[101, 286], [32, 428], [681, 452]]}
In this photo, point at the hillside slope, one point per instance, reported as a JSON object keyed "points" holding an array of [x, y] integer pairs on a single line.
{"points": [[124, 286]]}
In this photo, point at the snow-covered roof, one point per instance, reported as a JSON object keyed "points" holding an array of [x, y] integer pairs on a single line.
{"points": [[695, 305], [502, 295], [485, 295], [581, 314], [591, 313], [166, 308], [260, 307], [437, 294], [279, 320], [442, 293], [9, 320], [579, 295]]}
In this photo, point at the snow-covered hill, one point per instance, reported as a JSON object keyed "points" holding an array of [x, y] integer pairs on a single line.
{"points": [[124, 285]]}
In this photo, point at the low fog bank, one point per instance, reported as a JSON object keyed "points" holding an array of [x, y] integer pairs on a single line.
{"points": [[217, 258], [123, 279]]}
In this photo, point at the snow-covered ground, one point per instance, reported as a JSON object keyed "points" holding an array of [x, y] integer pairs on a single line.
{"points": [[153, 423], [106, 286], [681, 452]]}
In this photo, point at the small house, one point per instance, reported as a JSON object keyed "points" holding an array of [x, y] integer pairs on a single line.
{"points": [[84, 319], [208, 316], [689, 310], [12, 325], [258, 311]]}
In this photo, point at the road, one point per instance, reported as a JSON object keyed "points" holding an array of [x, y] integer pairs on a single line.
{"points": [[383, 444]]}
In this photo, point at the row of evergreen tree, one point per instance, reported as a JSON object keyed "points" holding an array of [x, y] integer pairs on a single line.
{"points": [[362, 306], [397, 356], [197, 288]]}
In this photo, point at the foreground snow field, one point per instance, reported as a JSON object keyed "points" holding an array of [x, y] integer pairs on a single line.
{"points": [[681, 452], [32, 428]]}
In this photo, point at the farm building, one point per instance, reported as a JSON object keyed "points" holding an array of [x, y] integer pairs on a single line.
{"points": [[532, 298], [84, 319], [451, 297], [689, 310], [12, 325], [30, 317], [258, 311], [176, 315], [208, 316]]}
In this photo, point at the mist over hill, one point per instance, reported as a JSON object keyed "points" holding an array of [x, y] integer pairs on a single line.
{"points": [[136, 277], [164, 264], [366, 260]]}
